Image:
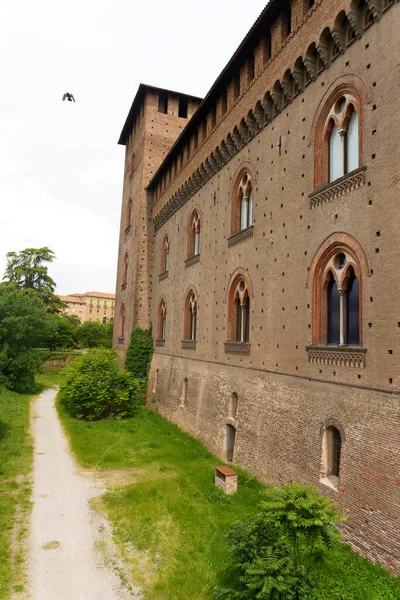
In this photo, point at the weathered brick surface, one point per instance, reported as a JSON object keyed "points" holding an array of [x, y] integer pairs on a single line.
{"points": [[148, 145], [279, 437], [284, 400]]}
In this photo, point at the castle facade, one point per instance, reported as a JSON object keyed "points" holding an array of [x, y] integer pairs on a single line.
{"points": [[260, 238]]}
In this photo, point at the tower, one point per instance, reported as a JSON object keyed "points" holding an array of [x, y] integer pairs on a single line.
{"points": [[155, 121]]}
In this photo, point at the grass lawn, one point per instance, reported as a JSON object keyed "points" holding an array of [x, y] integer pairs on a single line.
{"points": [[170, 522], [15, 488]]}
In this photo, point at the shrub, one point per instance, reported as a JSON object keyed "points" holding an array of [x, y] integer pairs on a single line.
{"points": [[140, 351], [95, 388], [274, 552]]}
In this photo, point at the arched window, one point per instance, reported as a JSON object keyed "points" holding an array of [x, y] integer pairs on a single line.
{"points": [[239, 310], [242, 198], [122, 318], [129, 214], [336, 273], [194, 234], [162, 319], [244, 203], [343, 139], [165, 256], [190, 323], [331, 454], [125, 270], [338, 131]]}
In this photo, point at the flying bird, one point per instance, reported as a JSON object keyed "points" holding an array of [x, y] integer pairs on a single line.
{"points": [[69, 97]]}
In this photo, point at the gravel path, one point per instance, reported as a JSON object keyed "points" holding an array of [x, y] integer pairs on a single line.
{"points": [[64, 563]]}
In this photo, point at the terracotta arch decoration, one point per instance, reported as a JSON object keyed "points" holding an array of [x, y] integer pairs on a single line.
{"points": [[162, 318], [240, 293], [340, 109], [165, 256], [336, 276], [122, 318], [190, 315], [125, 269], [241, 197], [193, 233]]}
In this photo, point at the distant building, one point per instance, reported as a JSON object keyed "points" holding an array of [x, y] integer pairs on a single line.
{"points": [[90, 306], [75, 306]]}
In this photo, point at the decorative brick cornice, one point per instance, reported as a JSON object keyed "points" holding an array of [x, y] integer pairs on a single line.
{"points": [[160, 343], [241, 236], [192, 260], [262, 115], [189, 344], [163, 276], [341, 356], [242, 348], [337, 188]]}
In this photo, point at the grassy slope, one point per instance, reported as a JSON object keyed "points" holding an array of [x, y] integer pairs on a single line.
{"points": [[171, 523], [15, 466]]}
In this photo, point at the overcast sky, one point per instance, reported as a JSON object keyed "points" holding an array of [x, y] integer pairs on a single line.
{"points": [[61, 169]]}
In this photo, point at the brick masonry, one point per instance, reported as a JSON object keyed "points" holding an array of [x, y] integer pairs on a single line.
{"points": [[284, 397]]}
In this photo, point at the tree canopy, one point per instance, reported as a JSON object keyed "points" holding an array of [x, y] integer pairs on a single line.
{"points": [[24, 326], [27, 269]]}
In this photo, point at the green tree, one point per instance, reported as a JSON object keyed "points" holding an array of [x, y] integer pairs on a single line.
{"points": [[62, 333], [93, 334], [139, 353], [27, 269], [274, 553], [24, 326]]}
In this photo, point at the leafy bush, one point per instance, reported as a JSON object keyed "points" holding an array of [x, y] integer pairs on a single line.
{"points": [[95, 388], [273, 553], [140, 351]]}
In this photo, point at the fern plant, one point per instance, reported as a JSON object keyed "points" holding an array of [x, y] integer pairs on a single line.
{"points": [[274, 552]]}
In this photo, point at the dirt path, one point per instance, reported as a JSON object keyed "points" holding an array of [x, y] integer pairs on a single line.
{"points": [[64, 563]]}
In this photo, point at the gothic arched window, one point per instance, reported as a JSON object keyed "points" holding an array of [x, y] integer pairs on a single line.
{"points": [[239, 310], [162, 320], [122, 318], [343, 139], [190, 321], [242, 203], [129, 214], [338, 131], [336, 276], [125, 270], [194, 234], [165, 256]]}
